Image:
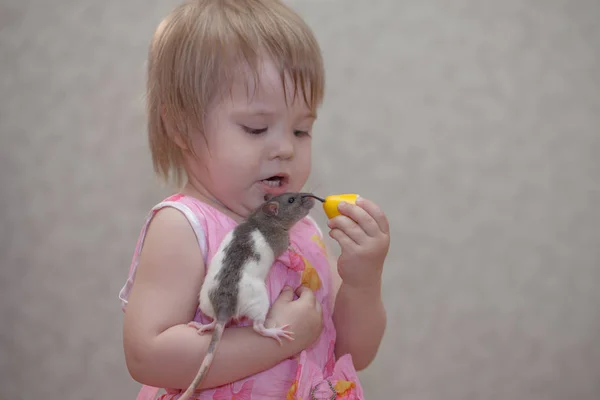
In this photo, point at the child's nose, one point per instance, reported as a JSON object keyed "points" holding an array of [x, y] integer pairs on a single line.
{"points": [[283, 148]]}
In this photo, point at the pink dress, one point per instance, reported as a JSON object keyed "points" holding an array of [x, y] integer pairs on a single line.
{"points": [[311, 374]]}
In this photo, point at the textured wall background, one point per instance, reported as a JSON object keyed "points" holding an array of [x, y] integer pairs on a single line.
{"points": [[475, 124]]}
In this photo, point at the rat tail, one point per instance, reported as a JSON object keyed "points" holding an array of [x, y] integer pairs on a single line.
{"points": [[208, 359]]}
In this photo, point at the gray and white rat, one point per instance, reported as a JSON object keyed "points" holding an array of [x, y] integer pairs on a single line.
{"points": [[234, 286]]}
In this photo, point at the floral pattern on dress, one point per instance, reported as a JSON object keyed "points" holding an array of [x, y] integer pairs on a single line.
{"points": [[310, 276], [227, 392]]}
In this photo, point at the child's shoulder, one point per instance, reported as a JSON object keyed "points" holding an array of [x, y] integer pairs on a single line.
{"points": [[181, 215], [176, 218], [171, 243]]}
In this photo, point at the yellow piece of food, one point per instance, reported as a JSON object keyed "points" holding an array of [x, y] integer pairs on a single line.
{"points": [[330, 206]]}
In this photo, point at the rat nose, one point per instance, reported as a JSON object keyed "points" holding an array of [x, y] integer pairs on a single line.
{"points": [[307, 201]]}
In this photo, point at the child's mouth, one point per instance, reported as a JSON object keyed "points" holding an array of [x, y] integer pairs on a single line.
{"points": [[274, 181]]}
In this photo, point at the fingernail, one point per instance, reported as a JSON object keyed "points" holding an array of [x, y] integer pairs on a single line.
{"points": [[342, 204]]}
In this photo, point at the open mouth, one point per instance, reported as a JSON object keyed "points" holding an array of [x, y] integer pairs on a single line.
{"points": [[275, 181]]}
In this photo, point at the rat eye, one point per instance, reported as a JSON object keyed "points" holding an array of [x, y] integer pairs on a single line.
{"points": [[291, 200]]}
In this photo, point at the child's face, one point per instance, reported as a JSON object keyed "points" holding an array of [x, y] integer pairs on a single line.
{"points": [[257, 144]]}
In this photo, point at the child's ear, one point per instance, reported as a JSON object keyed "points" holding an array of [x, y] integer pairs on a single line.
{"points": [[271, 208]]}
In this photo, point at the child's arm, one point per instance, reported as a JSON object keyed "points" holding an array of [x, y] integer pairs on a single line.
{"points": [[161, 351], [360, 320], [359, 315]]}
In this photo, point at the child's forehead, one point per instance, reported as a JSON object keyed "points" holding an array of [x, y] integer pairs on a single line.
{"points": [[265, 84]]}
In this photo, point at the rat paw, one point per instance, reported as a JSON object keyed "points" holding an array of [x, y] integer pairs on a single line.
{"points": [[202, 328], [281, 332], [275, 333]]}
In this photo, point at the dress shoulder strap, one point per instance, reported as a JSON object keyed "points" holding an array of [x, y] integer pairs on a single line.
{"points": [[196, 221]]}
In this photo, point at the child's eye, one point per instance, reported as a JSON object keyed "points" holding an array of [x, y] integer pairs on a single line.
{"points": [[254, 131], [300, 133]]}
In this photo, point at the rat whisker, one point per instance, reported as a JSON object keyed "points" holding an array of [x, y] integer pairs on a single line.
{"points": [[314, 197]]}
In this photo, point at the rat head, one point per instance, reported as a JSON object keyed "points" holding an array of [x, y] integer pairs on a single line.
{"points": [[288, 208]]}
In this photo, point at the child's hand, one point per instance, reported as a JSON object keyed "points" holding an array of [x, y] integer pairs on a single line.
{"points": [[304, 315], [362, 232]]}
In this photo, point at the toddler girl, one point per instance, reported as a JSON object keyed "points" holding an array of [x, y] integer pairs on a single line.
{"points": [[232, 93]]}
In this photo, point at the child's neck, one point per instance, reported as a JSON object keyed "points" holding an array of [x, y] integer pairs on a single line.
{"points": [[198, 192]]}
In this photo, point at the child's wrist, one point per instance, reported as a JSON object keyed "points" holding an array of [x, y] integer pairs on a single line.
{"points": [[367, 290]]}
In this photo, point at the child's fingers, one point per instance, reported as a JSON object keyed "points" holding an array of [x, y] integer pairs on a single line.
{"points": [[374, 211], [362, 218], [305, 294], [286, 295], [343, 239], [349, 227]]}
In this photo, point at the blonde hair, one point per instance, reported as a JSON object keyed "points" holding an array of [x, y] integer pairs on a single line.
{"points": [[198, 49]]}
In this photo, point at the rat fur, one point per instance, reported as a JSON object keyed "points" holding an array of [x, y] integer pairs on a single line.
{"points": [[234, 286]]}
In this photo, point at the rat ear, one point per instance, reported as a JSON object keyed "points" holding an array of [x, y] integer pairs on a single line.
{"points": [[271, 208]]}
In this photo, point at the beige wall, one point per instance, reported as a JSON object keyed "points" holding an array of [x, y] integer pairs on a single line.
{"points": [[475, 124]]}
